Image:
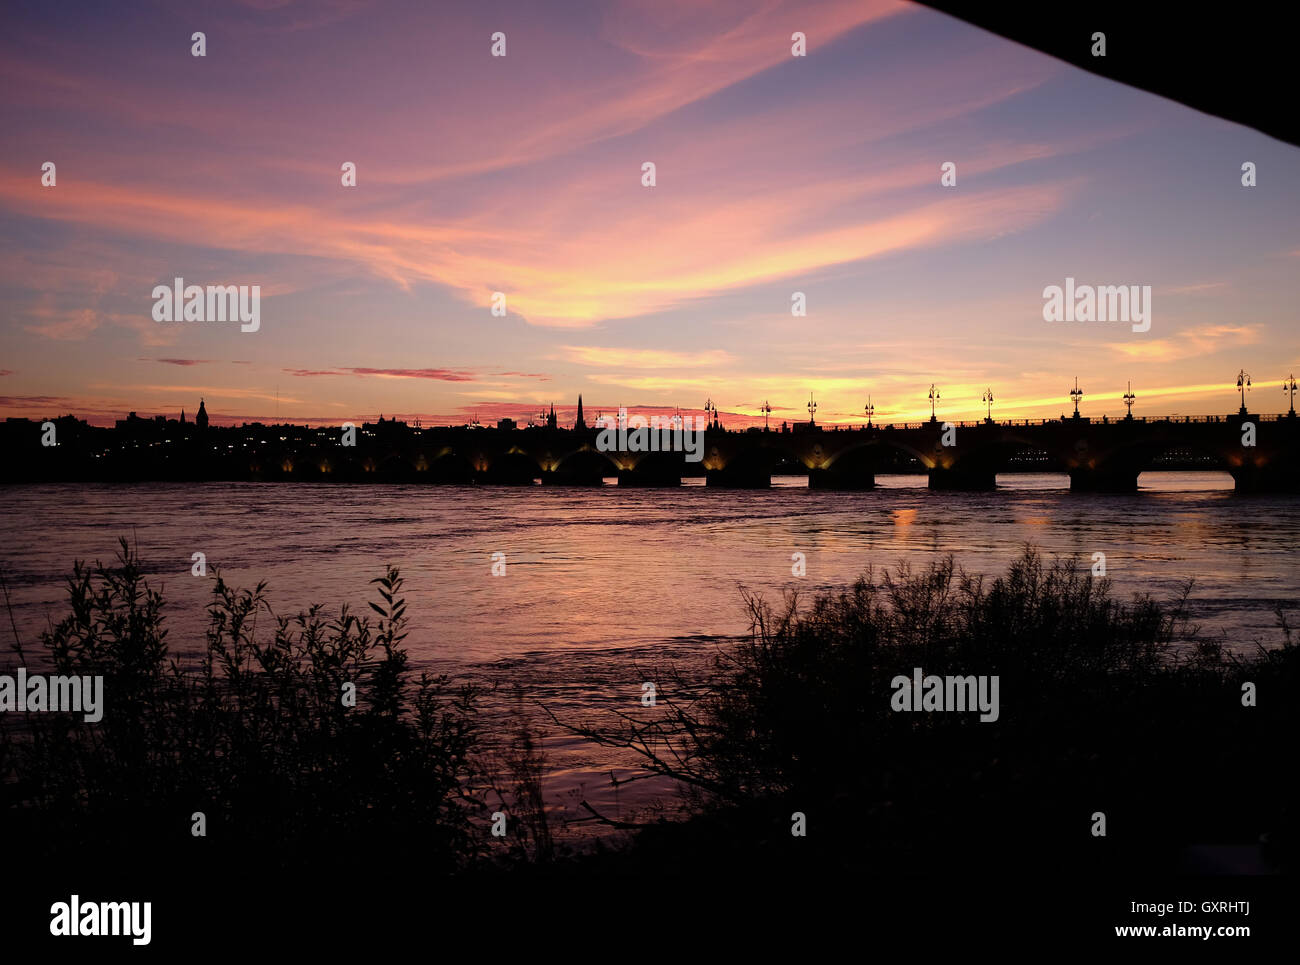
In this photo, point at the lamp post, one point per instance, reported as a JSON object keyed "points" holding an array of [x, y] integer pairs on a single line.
{"points": [[1129, 399], [812, 410], [934, 397], [1243, 383], [987, 399], [1288, 386], [1076, 394], [766, 410], [870, 410]]}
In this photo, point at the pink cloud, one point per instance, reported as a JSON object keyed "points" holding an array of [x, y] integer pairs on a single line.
{"points": [[440, 375]]}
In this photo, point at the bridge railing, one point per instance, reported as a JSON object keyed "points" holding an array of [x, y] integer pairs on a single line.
{"points": [[1174, 419]]}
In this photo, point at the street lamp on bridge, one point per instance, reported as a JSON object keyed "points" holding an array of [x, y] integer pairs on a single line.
{"points": [[987, 399], [766, 408], [1076, 394], [1288, 386], [812, 410], [870, 410], [710, 414], [1129, 399], [1243, 383], [934, 397]]}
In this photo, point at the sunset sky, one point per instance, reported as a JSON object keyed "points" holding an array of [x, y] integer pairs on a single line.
{"points": [[522, 174]]}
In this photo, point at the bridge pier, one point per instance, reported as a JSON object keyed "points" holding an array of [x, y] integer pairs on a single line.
{"points": [[646, 479], [1109, 480], [587, 478], [507, 476], [738, 479], [1265, 479], [964, 480], [832, 479]]}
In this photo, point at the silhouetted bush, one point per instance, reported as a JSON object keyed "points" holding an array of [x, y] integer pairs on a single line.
{"points": [[255, 734], [1122, 708]]}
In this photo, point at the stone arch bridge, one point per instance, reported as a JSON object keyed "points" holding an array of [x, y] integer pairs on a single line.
{"points": [[1261, 452], [1107, 456]]}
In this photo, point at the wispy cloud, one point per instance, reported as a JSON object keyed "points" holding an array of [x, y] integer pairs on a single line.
{"points": [[1193, 343], [1197, 288], [637, 358]]}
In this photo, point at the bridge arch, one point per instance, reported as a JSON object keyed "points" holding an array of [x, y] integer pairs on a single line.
{"points": [[766, 454], [989, 450], [584, 465], [860, 452], [514, 467], [590, 455], [1146, 453], [395, 467], [450, 466]]}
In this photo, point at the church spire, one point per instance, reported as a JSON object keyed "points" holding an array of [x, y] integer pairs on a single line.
{"points": [[579, 423]]}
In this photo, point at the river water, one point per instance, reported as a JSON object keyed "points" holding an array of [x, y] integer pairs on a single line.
{"points": [[603, 585]]}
